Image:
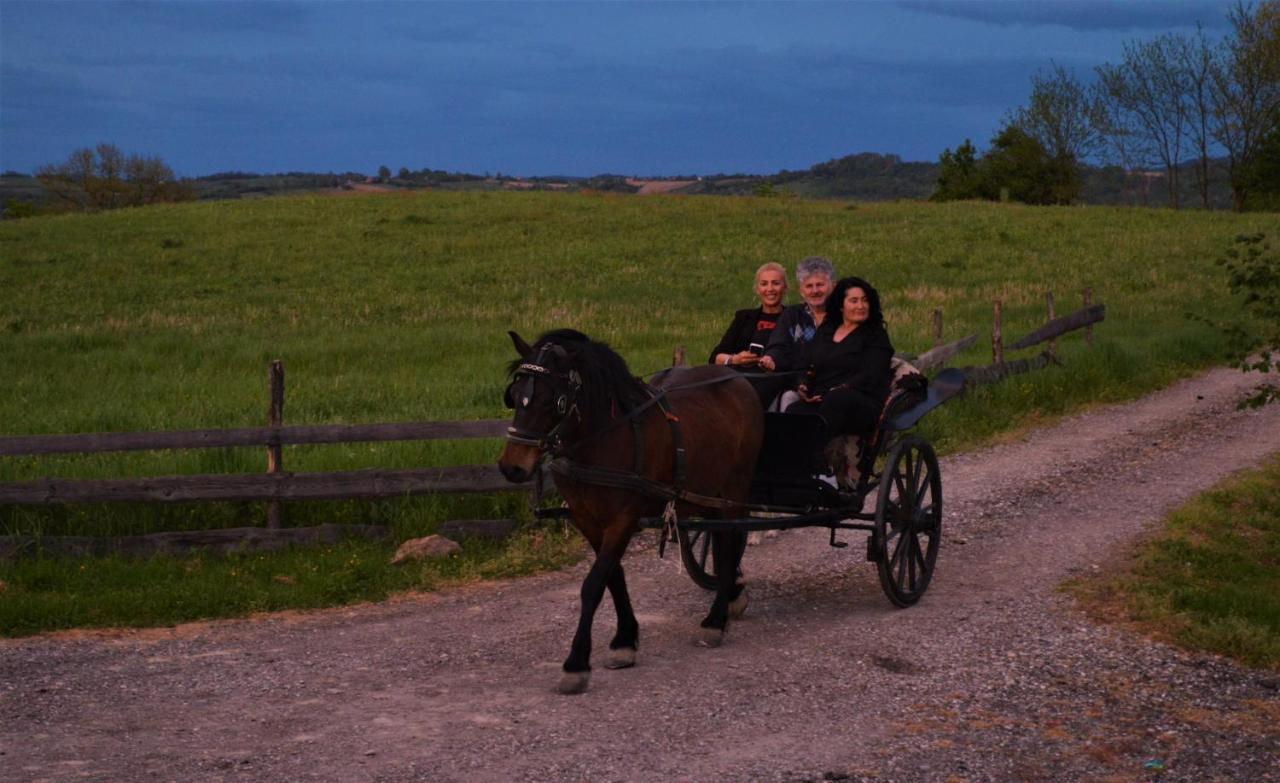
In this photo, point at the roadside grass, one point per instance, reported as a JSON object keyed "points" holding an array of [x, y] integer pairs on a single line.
{"points": [[1210, 579], [48, 594], [396, 308]]}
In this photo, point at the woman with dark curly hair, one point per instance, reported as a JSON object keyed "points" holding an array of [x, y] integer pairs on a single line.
{"points": [[848, 359]]}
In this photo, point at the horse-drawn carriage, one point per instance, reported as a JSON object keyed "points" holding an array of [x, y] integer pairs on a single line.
{"points": [[690, 451]]}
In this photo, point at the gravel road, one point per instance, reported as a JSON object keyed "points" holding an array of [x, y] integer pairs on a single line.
{"points": [[994, 676]]}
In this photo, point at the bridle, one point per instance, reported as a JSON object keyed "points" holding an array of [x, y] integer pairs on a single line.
{"points": [[519, 394]]}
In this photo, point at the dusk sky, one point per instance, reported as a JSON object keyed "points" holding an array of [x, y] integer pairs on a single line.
{"points": [[539, 88]]}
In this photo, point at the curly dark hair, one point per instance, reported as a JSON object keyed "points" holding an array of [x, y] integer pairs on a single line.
{"points": [[835, 303]]}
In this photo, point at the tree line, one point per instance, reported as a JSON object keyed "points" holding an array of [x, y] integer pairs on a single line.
{"points": [[1179, 104], [104, 177]]}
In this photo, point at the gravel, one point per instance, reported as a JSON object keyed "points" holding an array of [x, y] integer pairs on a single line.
{"points": [[994, 676]]}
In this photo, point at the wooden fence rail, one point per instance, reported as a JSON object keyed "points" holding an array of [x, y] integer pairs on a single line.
{"points": [[94, 443], [365, 484]]}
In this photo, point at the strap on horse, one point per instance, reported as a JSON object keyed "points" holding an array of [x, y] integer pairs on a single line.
{"points": [[633, 482]]}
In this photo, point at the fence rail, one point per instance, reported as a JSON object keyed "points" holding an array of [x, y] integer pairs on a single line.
{"points": [[336, 485], [95, 443]]}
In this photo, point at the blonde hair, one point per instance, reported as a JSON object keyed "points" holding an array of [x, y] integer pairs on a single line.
{"points": [[773, 266]]}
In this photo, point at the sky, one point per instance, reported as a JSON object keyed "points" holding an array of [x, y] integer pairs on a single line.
{"points": [[533, 88]]}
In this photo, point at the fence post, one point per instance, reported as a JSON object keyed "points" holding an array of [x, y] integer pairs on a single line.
{"points": [[677, 356], [275, 417], [1088, 330], [997, 340], [1053, 343], [937, 327]]}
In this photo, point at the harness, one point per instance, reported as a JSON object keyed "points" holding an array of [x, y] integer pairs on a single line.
{"points": [[565, 387]]}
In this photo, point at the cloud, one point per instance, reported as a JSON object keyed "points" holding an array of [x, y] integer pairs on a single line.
{"points": [[1082, 15], [213, 17]]}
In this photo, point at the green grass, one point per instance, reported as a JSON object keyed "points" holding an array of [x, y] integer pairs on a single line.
{"points": [[396, 308], [1210, 580], [43, 594]]}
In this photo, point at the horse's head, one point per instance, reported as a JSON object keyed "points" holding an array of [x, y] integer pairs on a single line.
{"points": [[543, 393]]}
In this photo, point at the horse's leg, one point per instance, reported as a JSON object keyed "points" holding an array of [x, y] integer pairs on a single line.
{"points": [[627, 640], [577, 667], [726, 553], [622, 650]]}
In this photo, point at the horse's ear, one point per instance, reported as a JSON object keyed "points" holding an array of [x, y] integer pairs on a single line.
{"points": [[522, 347]]}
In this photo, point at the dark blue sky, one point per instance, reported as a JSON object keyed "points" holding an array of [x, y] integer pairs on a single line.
{"points": [[539, 88]]}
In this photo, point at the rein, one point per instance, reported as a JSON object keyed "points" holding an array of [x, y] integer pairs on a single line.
{"points": [[556, 454]]}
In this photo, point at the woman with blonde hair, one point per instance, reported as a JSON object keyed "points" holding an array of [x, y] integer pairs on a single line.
{"points": [[743, 343]]}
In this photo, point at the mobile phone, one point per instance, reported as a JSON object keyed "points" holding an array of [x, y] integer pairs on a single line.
{"points": [[756, 348]]}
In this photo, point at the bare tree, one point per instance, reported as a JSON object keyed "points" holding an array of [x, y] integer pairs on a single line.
{"points": [[1197, 59], [1147, 90], [1246, 90], [1121, 140]]}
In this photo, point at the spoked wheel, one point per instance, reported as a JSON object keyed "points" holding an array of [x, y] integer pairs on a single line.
{"points": [[908, 524], [695, 553]]}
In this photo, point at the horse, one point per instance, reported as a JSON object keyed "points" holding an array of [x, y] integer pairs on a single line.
{"points": [[620, 450]]}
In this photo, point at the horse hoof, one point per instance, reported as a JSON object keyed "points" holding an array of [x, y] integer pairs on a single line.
{"points": [[738, 606], [573, 682], [709, 637], [621, 658]]}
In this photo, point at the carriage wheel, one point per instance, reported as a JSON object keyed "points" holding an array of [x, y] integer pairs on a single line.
{"points": [[908, 520], [695, 553]]}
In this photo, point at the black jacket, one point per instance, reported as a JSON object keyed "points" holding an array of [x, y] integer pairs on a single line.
{"points": [[744, 330], [860, 361]]}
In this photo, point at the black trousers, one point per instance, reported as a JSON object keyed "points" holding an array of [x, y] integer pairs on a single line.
{"points": [[847, 411]]}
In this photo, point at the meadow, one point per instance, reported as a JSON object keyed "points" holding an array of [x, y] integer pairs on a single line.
{"points": [[396, 308]]}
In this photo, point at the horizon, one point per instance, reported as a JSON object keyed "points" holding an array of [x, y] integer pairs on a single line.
{"points": [[539, 89]]}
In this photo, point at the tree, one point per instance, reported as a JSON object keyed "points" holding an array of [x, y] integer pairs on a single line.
{"points": [[958, 175], [384, 173], [106, 178], [1019, 164], [1262, 181], [1146, 93], [1060, 115], [1197, 59], [1246, 90]]}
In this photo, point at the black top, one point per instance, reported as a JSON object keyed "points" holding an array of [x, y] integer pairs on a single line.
{"points": [[749, 326], [860, 361]]}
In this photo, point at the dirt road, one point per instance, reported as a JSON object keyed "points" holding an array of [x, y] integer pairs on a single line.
{"points": [[993, 676]]}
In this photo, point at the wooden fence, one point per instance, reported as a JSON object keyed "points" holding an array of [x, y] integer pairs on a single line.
{"points": [[277, 484]]}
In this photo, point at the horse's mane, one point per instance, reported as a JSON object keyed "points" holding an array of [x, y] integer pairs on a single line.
{"points": [[606, 379]]}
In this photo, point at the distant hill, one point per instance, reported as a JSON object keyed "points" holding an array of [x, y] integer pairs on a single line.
{"points": [[866, 176]]}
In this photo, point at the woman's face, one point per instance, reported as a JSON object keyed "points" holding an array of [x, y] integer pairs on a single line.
{"points": [[771, 287], [857, 308], [815, 289]]}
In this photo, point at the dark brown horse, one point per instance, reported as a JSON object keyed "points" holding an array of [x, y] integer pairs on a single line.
{"points": [[621, 450]]}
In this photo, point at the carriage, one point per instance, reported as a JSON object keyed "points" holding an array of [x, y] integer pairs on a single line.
{"points": [[793, 487]]}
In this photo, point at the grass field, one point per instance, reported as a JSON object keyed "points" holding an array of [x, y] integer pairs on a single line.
{"points": [[1209, 580], [395, 308]]}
